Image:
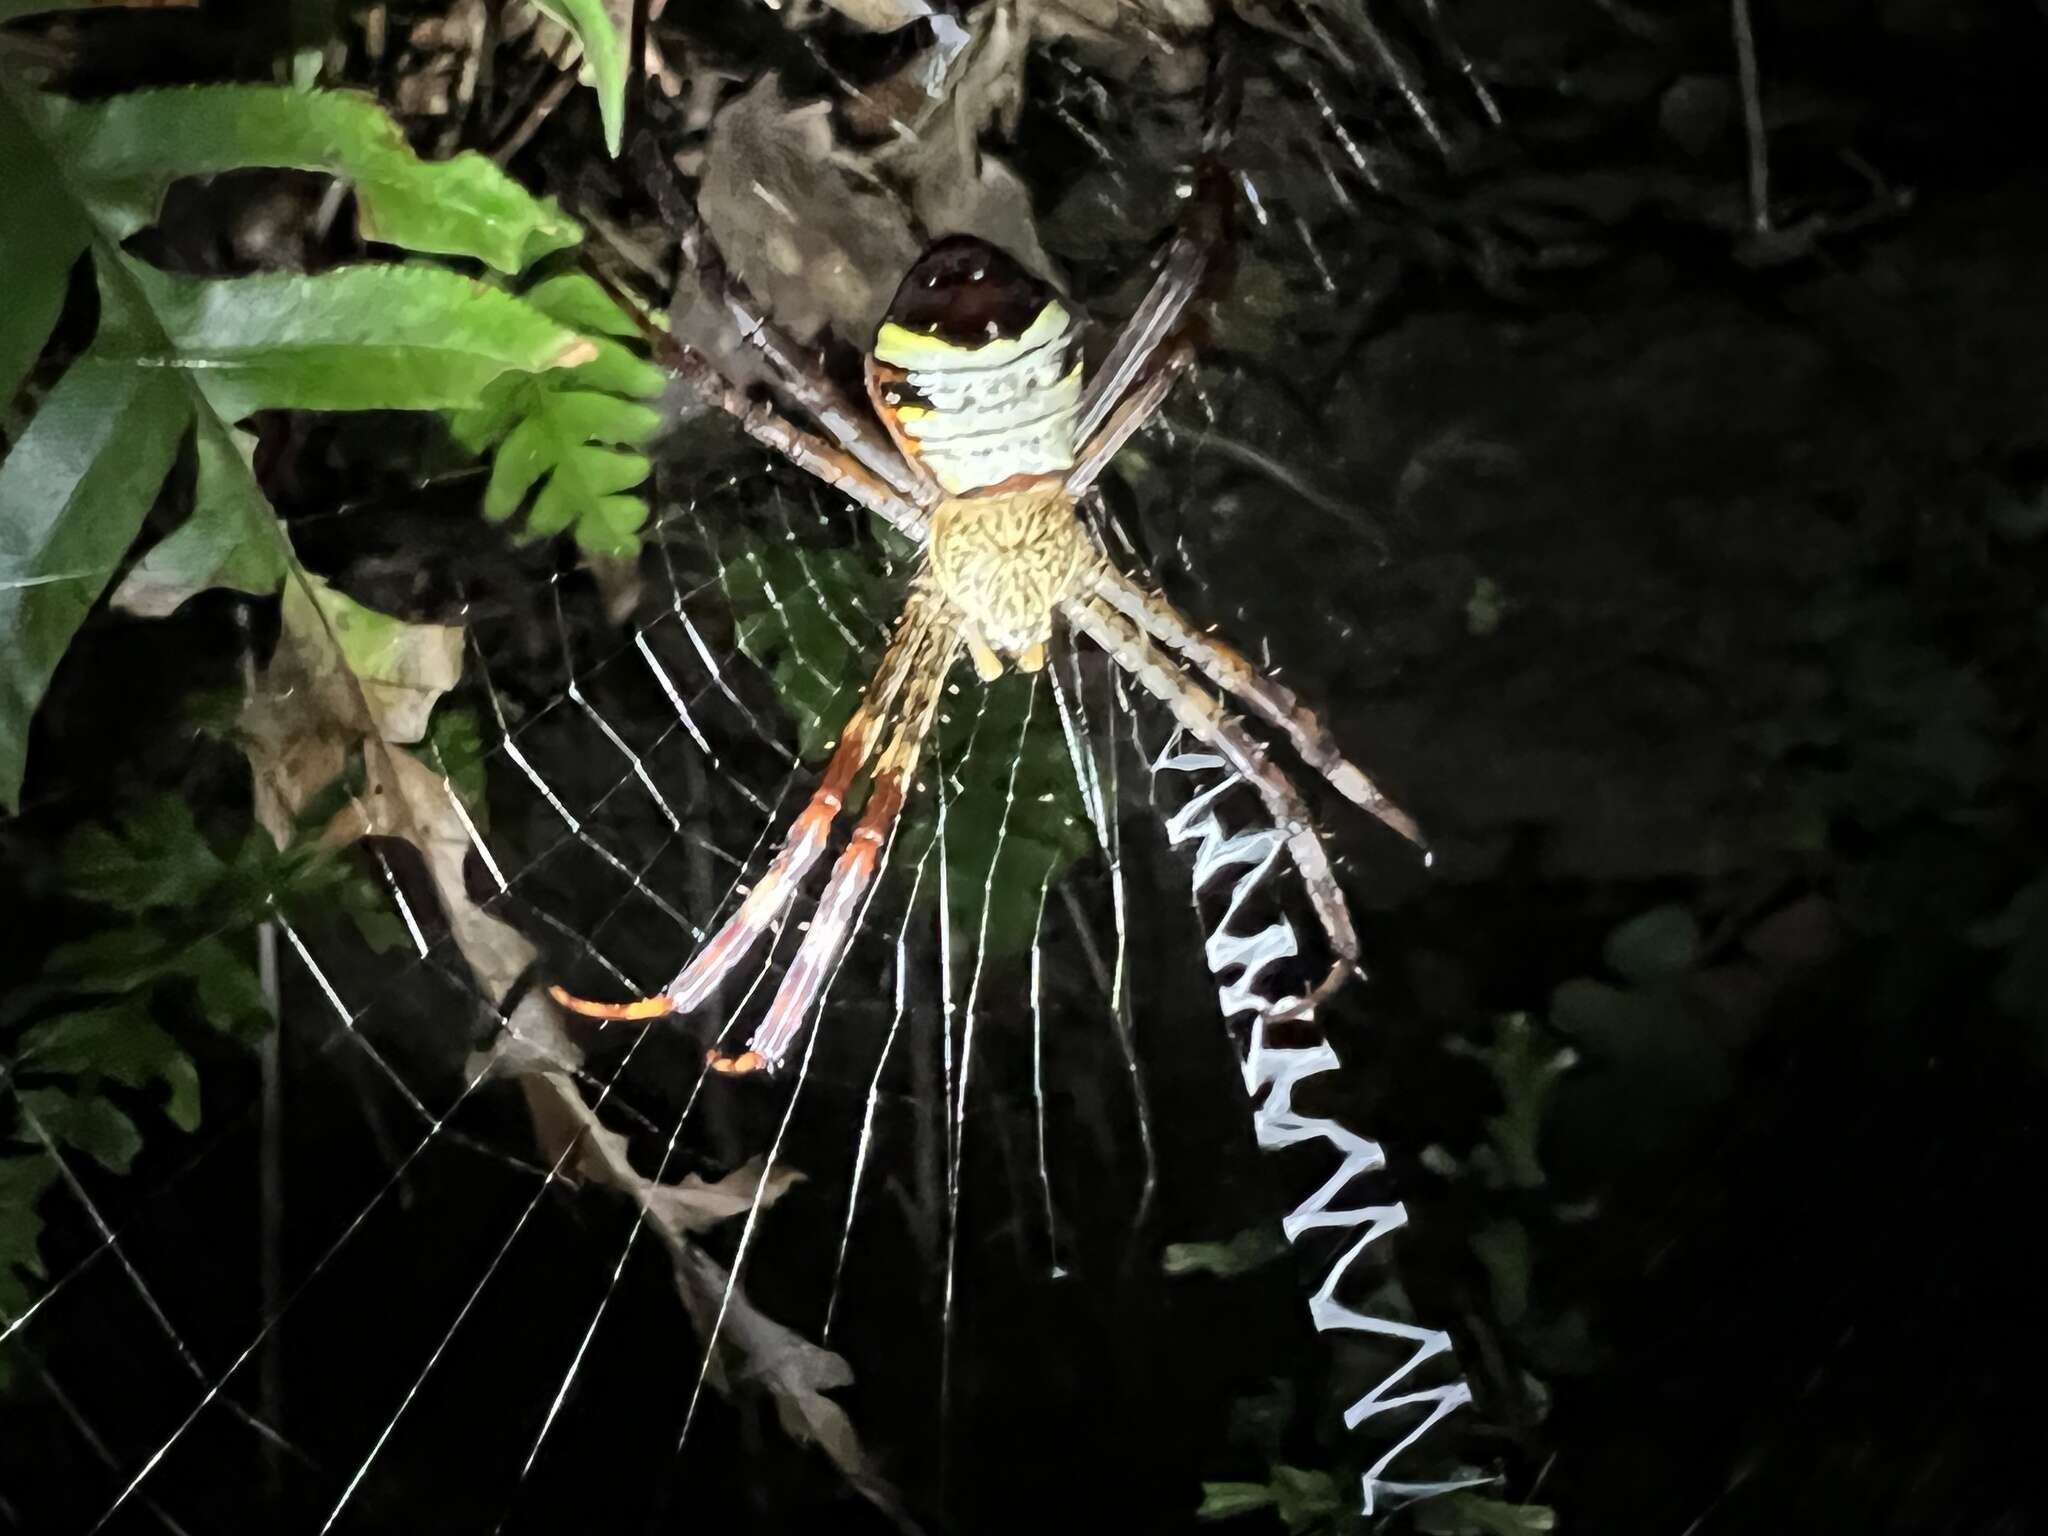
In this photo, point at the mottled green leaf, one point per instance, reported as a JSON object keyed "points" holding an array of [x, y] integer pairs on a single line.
{"points": [[232, 538], [73, 493], [122, 1043], [230, 993], [22, 1183], [455, 749], [605, 55], [84, 1121], [366, 337], [157, 859], [121, 153]]}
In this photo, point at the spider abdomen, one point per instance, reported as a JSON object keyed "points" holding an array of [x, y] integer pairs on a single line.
{"points": [[1006, 560], [976, 372]]}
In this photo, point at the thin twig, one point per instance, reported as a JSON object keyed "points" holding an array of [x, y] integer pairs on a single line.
{"points": [[1752, 120]]}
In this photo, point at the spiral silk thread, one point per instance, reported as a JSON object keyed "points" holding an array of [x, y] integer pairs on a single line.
{"points": [[1240, 963]]}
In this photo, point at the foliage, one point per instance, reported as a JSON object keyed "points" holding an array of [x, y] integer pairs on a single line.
{"points": [[567, 427], [591, 25], [1248, 1250], [177, 357], [1013, 816], [95, 1041]]}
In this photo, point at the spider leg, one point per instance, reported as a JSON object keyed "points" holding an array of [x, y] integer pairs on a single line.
{"points": [[853, 428], [839, 908], [1201, 713], [834, 465], [1230, 669], [800, 849], [1189, 259], [796, 370], [1136, 409]]}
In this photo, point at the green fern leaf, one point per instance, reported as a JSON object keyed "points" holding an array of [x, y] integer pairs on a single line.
{"points": [[124, 152], [565, 432]]}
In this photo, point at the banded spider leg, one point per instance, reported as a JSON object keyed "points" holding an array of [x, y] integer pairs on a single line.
{"points": [[903, 698], [1126, 617], [1202, 714]]}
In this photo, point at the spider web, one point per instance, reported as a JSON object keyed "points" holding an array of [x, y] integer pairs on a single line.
{"points": [[551, 1268]]}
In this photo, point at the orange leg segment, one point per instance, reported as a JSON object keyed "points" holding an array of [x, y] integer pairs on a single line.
{"points": [[854, 871], [807, 839]]}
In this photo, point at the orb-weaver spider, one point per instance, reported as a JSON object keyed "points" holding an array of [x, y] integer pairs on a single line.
{"points": [[981, 440]]}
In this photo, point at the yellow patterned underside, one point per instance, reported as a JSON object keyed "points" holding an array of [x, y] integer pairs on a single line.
{"points": [[1006, 562]]}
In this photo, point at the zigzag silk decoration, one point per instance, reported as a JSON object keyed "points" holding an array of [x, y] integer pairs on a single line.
{"points": [[1240, 963]]}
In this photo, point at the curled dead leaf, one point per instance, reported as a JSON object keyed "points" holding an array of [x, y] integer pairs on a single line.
{"points": [[881, 15], [802, 223], [341, 674]]}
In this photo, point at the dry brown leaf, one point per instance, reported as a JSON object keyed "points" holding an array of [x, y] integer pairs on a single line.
{"points": [[1160, 39], [991, 203], [795, 1372], [801, 223], [753, 1348], [954, 187], [404, 798], [341, 673], [307, 713], [881, 15]]}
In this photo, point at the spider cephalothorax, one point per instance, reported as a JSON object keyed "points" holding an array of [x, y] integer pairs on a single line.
{"points": [[982, 438]]}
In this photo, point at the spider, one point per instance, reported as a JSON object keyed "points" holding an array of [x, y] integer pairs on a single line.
{"points": [[981, 438]]}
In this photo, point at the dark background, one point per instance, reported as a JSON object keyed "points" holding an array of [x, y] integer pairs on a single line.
{"points": [[1659, 566]]}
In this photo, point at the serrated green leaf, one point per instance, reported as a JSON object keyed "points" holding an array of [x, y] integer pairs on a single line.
{"points": [[117, 960], [230, 993], [591, 25], [559, 442], [120, 1042], [157, 859], [123, 152], [232, 539], [353, 339], [73, 493], [22, 1183], [84, 1121]]}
